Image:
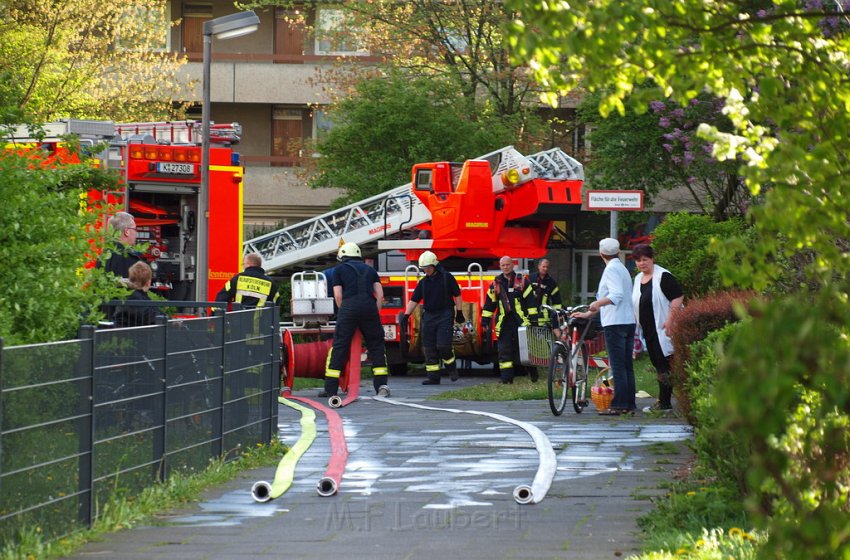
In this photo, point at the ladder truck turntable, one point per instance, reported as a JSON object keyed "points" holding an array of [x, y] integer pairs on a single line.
{"points": [[502, 203]]}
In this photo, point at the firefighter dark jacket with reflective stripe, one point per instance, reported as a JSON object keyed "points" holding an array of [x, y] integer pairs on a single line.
{"points": [[251, 288], [437, 291], [541, 291], [504, 295]]}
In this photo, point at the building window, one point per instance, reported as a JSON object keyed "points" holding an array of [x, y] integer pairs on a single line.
{"points": [[195, 14], [287, 136], [289, 32], [336, 36], [322, 124]]}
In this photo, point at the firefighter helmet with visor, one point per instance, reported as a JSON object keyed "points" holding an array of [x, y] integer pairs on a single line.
{"points": [[348, 250], [427, 259]]}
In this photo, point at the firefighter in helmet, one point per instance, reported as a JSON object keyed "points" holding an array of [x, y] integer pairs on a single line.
{"points": [[358, 295], [439, 294], [505, 296]]}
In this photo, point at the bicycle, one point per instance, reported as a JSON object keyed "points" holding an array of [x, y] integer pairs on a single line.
{"points": [[568, 361]]}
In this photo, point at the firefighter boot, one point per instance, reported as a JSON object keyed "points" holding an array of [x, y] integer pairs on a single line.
{"points": [[379, 382], [331, 388], [506, 372]]}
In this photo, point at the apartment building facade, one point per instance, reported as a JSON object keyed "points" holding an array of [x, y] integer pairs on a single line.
{"points": [[268, 81]]}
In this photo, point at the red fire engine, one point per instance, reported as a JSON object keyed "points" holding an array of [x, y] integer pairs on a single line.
{"points": [[160, 167], [467, 213]]}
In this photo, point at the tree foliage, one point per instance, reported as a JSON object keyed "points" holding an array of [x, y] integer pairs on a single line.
{"points": [[86, 59], [393, 121], [658, 151], [462, 41], [44, 246], [781, 68]]}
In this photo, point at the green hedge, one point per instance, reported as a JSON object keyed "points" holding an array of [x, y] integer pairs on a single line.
{"points": [[682, 246]]}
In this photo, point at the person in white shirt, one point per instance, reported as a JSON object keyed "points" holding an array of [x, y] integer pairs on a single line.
{"points": [[614, 304]]}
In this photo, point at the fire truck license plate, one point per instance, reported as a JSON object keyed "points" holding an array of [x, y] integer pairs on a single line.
{"points": [[175, 168], [389, 332]]}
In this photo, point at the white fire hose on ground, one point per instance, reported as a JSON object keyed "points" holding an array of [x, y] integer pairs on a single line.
{"points": [[524, 493]]}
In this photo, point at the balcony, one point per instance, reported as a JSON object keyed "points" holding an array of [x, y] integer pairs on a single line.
{"points": [[235, 79]]}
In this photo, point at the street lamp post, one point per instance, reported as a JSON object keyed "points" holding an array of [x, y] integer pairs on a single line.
{"points": [[225, 27]]}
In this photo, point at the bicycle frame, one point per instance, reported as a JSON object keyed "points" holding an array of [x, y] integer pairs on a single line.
{"points": [[567, 363], [570, 331]]}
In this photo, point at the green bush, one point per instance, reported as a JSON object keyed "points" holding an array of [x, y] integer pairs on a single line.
{"points": [[46, 290], [791, 409], [721, 454], [681, 245]]}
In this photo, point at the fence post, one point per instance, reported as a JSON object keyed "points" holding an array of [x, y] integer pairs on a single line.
{"points": [[275, 371], [161, 446], [223, 314], [87, 459]]}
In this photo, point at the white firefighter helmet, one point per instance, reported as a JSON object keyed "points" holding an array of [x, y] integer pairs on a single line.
{"points": [[348, 250], [427, 259]]}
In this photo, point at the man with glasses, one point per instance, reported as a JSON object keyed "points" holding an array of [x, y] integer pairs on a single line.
{"points": [[122, 255], [439, 294]]}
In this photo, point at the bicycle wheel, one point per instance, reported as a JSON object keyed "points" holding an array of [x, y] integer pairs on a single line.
{"points": [[558, 383], [578, 377]]}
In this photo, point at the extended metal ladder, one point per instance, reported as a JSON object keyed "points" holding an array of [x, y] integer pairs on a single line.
{"points": [[172, 132], [385, 214], [181, 132]]}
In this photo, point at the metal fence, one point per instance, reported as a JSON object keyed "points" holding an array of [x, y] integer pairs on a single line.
{"points": [[117, 410]]}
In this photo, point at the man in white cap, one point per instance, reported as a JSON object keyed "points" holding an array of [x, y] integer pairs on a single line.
{"points": [[613, 299]]}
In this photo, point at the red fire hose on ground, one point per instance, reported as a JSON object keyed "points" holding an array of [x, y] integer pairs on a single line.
{"points": [[329, 483]]}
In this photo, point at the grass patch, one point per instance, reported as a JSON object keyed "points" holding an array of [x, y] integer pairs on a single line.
{"points": [[520, 390], [679, 524], [663, 448], [645, 376], [307, 383], [125, 512], [523, 389]]}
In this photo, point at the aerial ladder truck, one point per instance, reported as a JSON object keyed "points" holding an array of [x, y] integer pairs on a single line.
{"points": [[503, 203]]}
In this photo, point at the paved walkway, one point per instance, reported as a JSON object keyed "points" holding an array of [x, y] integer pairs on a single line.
{"points": [[424, 484]]}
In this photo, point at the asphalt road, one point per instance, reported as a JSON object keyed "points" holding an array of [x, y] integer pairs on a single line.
{"points": [[425, 484]]}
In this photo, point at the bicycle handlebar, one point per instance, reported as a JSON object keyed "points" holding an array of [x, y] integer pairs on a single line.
{"points": [[564, 314], [566, 310]]}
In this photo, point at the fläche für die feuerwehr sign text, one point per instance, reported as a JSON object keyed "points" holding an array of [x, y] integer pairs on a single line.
{"points": [[615, 200]]}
